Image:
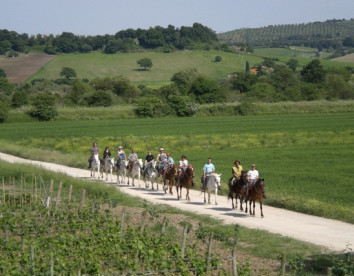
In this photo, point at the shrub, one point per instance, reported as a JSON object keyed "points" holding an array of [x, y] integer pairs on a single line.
{"points": [[181, 106], [99, 98], [43, 107], [218, 59], [4, 111], [344, 264], [149, 106], [19, 98], [245, 108]]}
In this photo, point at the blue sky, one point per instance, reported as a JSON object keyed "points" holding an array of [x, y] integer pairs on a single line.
{"points": [[93, 17]]}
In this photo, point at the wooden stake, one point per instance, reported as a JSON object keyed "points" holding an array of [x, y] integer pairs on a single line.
{"points": [[122, 222], [58, 196], [70, 191], [184, 238], [282, 265], [32, 260], [234, 261], [82, 201], [3, 190], [209, 251]]}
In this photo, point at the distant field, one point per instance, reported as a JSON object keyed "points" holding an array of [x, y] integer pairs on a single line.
{"points": [[306, 159], [164, 65], [20, 68], [346, 58]]}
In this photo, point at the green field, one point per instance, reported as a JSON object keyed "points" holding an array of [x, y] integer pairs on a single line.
{"points": [[306, 159]]}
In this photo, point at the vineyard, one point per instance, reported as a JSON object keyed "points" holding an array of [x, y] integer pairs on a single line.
{"points": [[47, 232]]}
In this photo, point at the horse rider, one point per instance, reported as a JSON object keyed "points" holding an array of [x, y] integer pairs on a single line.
{"points": [[182, 165], [252, 175], [149, 158], [208, 169], [236, 170], [132, 158], [161, 158], [121, 155], [167, 164], [107, 153], [94, 151]]}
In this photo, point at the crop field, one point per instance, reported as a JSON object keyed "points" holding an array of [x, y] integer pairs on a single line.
{"points": [[306, 159]]}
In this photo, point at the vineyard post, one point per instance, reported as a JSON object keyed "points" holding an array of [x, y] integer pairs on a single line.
{"points": [[163, 228], [122, 222], [23, 243], [3, 190], [32, 260], [70, 191], [329, 271], [35, 189], [58, 196], [234, 263], [14, 189], [82, 201], [184, 238], [209, 250], [51, 187], [21, 194], [142, 223], [6, 233], [282, 266], [51, 265]]}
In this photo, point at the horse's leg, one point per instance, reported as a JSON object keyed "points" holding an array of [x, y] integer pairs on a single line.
{"points": [[261, 207], [187, 195], [216, 194], [254, 207], [205, 197], [241, 202]]}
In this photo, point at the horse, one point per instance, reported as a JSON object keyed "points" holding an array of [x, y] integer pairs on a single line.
{"points": [[256, 192], [185, 181], [159, 174], [107, 164], [212, 185], [150, 174], [95, 165], [135, 170], [121, 170], [170, 176], [236, 186]]}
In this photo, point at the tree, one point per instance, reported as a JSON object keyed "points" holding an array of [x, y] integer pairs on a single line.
{"points": [[218, 59], [149, 106], [292, 64], [99, 98], [145, 62], [4, 111], [243, 81], [19, 98], [68, 73], [206, 90], [313, 72], [43, 107], [247, 69], [77, 92], [2, 73]]}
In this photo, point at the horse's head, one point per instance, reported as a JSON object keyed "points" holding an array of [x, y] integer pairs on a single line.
{"points": [[261, 184], [217, 178]]}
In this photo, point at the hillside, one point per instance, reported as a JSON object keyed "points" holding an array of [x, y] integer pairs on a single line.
{"points": [[330, 31]]}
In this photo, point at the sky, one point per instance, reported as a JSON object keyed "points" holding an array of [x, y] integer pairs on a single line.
{"points": [[99, 17]]}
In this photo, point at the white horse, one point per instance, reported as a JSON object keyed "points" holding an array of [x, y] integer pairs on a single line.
{"points": [[95, 166], [212, 185], [150, 174], [121, 170], [108, 165], [135, 171]]}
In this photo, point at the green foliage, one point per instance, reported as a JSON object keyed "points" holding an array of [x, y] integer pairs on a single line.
{"points": [[292, 64], [145, 62], [263, 92], [313, 72], [243, 81], [206, 90], [2, 73], [149, 107], [245, 108], [68, 72], [181, 106], [6, 87], [4, 111], [297, 264], [43, 107], [218, 58], [19, 98], [99, 98], [78, 92], [343, 265]]}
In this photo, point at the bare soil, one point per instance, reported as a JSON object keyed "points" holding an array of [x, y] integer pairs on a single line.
{"points": [[20, 68]]}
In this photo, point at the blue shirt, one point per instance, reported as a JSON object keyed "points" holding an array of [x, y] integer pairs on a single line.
{"points": [[208, 168]]}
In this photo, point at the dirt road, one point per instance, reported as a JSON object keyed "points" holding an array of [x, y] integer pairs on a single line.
{"points": [[332, 234]]}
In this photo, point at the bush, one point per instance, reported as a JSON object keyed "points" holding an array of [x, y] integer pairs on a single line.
{"points": [[149, 107], [218, 59], [43, 107], [99, 98], [4, 111], [245, 108], [181, 106], [19, 98]]}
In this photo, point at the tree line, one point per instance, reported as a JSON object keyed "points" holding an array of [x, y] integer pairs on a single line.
{"points": [[322, 35], [167, 39]]}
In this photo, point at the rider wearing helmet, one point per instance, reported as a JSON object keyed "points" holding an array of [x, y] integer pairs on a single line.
{"points": [[94, 151]]}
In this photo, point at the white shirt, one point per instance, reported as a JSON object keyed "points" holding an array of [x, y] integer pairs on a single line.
{"points": [[253, 174]]}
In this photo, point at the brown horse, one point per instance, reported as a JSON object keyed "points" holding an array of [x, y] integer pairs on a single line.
{"points": [[170, 176], [185, 181], [237, 187], [256, 192]]}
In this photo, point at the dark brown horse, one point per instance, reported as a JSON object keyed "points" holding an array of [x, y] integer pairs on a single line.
{"points": [[170, 176], [239, 187], [256, 192], [185, 181]]}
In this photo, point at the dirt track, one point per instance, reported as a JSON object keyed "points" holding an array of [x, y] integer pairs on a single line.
{"points": [[332, 234]]}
